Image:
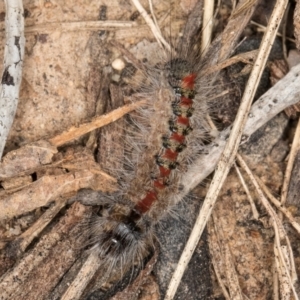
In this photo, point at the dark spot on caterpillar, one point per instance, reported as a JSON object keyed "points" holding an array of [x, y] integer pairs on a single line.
{"points": [[7, 78], [176, 69], [187, 130], [181, 147]]}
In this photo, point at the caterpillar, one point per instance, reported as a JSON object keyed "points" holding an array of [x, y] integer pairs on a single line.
{"points": [[170, 132], [171, 127]]}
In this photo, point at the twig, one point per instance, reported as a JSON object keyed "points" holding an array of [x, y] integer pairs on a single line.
{"points": [[76, 132], [231, 147], [242, 57], [279, 205], [208, 17], [85, 275], [230, 272], [278, 33], [78, 26], [31, 233], [153, 15], [284, 24], [294, 275], [252, 204], [275, 282], [288, 172], [155, 30], [12, 69]]}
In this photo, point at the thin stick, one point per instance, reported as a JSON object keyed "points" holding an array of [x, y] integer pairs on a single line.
{"points": [[275, 282], [76, 132], [220, 281], [12, 69], [153, 15], [288, 172], [208, 17], [252, 204], [228, 155], [33, 231], [264, 29], [230, 272], [294, 275], [78, 26], [279, 205], [156, 32], [284, 24], [82, 279]]}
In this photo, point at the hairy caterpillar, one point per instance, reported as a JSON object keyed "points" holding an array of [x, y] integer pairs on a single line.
{"points": [[172, 130], [171, 127]]}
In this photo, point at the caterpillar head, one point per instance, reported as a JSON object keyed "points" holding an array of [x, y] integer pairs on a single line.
{"points": [[121, 237]]}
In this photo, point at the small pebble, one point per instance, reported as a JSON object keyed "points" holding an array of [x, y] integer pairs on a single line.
{"points": [[118, 64]]}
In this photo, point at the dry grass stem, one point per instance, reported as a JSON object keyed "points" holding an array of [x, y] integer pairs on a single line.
{"points": [[289, 168], [275, 282], [219, 278], [208, 22], [284, 24], [79, 26], [244, 7], [246, 57], [155, 30], [279, 205], [86, 273], [251, 201], [216, 256], [33, 231], [263, 29], [294, 276], [226, 257]]}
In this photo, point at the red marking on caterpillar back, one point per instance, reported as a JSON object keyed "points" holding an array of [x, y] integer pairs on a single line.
{"points": [[188, 82], [171, 155], [164, 172], [183, 120], [159, 184], [177, 137], [145, 204], [186, 101]]}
